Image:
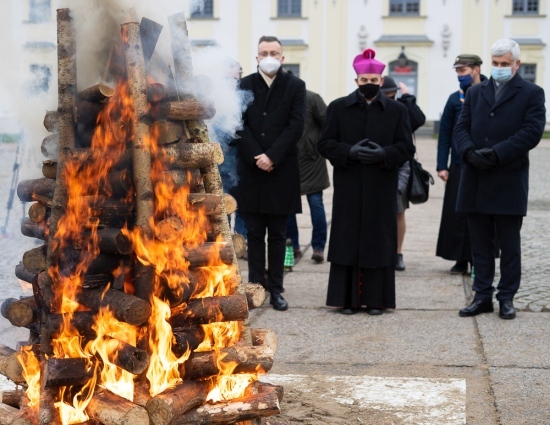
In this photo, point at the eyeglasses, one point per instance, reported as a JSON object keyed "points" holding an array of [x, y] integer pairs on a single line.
{"points": [[273, 54]]}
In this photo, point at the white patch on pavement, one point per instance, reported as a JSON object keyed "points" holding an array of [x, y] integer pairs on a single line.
{"points": [[416, 401]]}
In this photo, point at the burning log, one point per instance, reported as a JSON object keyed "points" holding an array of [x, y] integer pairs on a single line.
{"points": [[85, 113], [8, 414], [166, 407], [137, 82], [184, 155], [167, 131], [38, 212], [34, 260], [65, 372], [245, 359], [237, 410], [97, 93], [156, 92], [200, 257], [265, 338], [212, 204], [50, 146], [120, 183], [49, 169], [82, 321], [209, 310], [129, 358], [12, 398], [20, 312], [27, 188], [51, 122], [126, 308], [108, 408], [114, 241], [188, 338], [255, 294], [264, 387], [10, 366], [32, 229], [189, 109]]}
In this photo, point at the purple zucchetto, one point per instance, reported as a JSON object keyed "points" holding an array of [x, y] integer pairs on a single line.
{"points": [[366, 64]]}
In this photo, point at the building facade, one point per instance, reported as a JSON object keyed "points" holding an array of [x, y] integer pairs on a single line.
{"points": [[418, 39]]}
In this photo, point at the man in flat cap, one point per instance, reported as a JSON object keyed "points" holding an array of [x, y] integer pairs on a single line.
{"points": [[453, 242], [366, 137], [502, 119]]}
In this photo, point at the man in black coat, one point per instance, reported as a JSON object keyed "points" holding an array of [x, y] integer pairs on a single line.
{"points": [[366, 137], [269, 180], [501, 120]]}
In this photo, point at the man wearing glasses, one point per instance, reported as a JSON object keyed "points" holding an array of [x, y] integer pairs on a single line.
{"points": [[269, 180]]}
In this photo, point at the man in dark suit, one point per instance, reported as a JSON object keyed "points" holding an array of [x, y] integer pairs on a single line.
{"points": [[269, 179], [501, 120]]}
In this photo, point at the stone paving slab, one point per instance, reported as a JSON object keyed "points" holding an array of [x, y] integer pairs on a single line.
{"points": [[398, 337], [523, 342], [522, 395]]}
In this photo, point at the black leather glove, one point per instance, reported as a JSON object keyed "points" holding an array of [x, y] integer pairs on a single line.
{"points": [[479, 161], [373, 154], [490, 154], [358, 147]]}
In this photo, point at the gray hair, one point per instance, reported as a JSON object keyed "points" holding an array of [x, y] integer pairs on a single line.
{"points": [[505, 45]]}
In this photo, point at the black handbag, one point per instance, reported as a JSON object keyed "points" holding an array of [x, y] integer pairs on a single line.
{"points": [[419, 183]]}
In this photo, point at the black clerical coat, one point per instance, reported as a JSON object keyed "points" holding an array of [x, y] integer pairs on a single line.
{"points": [[364, 212]]}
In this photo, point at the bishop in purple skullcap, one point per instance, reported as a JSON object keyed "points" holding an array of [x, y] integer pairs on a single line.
{"points": [[366, 64]]}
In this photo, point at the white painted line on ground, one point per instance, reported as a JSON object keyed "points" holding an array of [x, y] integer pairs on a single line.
{"points": [[418, 401]]}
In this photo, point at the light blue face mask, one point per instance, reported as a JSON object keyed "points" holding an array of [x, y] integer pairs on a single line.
{"points": [[501, 74]]}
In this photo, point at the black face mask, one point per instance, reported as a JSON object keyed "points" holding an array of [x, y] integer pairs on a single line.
{"points": [[369, 90]]}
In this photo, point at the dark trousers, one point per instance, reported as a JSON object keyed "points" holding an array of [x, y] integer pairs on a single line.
{"points": [[482, 237], [256, 225], [318, 221]]}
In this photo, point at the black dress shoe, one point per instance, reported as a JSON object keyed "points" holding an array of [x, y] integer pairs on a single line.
{"points": [[374, 311], [399, 264], [461, 267], [477, 307], [349, 310], [278, 302], [507, 310]]}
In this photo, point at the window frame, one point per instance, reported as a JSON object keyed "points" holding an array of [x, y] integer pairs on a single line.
{"points": [[201, 14], [40, 11], [403, 4], [528, 76], [525, 5], [289, 13]]}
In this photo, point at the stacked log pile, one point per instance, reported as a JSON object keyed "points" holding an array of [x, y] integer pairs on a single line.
{"points": [[167, 127]]}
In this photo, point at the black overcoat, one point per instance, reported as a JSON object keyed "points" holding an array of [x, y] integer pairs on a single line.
{"points": [[364, 211], [272, 124], [511, 126]]}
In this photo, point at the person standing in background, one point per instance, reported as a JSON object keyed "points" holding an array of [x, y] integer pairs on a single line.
{"points": [[313, 179], [417, 120], [453, 242]]}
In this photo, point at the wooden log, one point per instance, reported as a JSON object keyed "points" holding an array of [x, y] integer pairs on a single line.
{"points": [[264, 387], [126, 308], [120, 183], [255, 295], [183, 155], [85, 113], [10, 366], [187, 338], [181, 52], [210, 310], [108, 408], [97, 93], [67, 371], [156, 92], [265, 338], [24, 417], [167, 406], [20, 312], [8, 414], [42, 186], [177, 178], [239, 244], [50, 121], [167, 131], [114, 241], [200, 257], [129, 358], [38, 230], [230, 204], [82, 321], [169, 229], [13, 398], [50, 146], [34, 260], [137, 86], [253, 406], [22, 273], [189, 109], [38, 212], [49, 169], [245, 359], [209, 203], [43, 199]]}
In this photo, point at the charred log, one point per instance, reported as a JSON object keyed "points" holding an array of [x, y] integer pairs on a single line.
{"points": [[210, 310], [43, 187]]}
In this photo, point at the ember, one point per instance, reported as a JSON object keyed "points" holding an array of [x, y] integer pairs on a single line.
{"points": [[139, 314]]}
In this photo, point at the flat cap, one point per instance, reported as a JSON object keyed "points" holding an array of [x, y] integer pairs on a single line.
{"points": [[467, 60]]}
